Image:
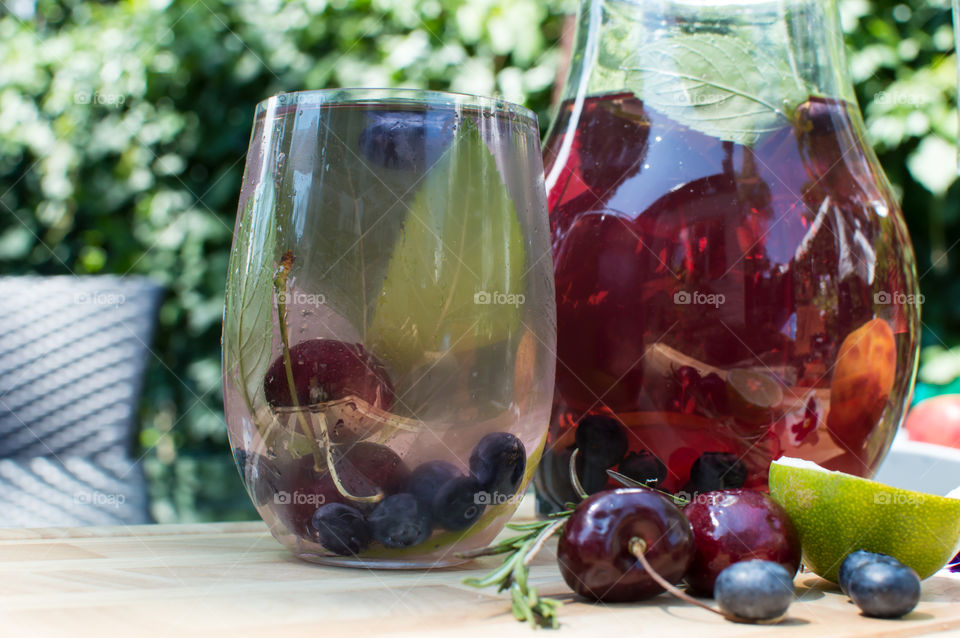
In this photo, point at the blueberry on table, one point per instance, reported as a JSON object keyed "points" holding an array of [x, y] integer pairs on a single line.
{"points": [[341, 529], [602, 440], [754, 590], [857, 559], [458, 503], [400, 521], [643, 467], [498, 462], [884, 590], [406, 140], [717, 471]]}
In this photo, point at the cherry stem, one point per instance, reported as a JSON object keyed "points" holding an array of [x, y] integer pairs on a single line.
{"points": [[280, 284], [574, 479], [638, 547], [626, 481], [332, 467]]}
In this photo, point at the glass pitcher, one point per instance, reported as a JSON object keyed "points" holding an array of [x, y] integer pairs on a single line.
{"points": [[734, 278]]}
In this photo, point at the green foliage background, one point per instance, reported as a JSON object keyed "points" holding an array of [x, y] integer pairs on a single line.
{"points": [[123, 128]]}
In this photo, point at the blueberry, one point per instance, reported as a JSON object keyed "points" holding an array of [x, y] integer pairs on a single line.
{"points": [[459, 503], [601, 440], [643, 467], [857, 559], [499, 461], [400, 521], [427, 479], [717, 471], [884, 590], [341, 529], [754, 590], [406, 140], [593, 478]]}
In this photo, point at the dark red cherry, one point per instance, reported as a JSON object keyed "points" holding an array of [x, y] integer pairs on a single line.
{"points": [[326, 370], [594, 550], [730, 526], [363, 469]]}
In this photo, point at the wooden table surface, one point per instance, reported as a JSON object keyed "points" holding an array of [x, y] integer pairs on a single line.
{"points": [[234, 579]]}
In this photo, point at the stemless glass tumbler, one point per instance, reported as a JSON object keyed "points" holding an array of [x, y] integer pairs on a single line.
{"points": [[390, 324]]}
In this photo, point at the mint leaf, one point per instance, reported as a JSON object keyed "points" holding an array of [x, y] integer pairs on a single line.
{"points": [[247, 327], [720, 85], [461, 241]]}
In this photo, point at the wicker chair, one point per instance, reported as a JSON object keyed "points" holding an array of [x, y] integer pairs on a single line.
{"points": [[72, 356]]}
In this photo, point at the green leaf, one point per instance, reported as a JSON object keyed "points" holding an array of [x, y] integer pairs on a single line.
{"points": [[248, 327], [720, 85], [461, 242]]}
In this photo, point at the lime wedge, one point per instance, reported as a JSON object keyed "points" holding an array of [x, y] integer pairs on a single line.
{"points": [[837, 513]]}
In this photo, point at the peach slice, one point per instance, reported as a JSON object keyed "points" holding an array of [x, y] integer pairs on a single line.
{"points": [[862, 381]]}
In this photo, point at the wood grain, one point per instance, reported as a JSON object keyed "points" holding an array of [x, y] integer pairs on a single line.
{"points": [[233, 579]]}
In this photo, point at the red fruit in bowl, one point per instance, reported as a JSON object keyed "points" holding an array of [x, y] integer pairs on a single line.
{"points": [[594, 552], [935, 420], [325, 370], [731, 526]]}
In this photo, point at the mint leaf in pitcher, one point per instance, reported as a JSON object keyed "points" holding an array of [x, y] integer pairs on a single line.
{"points": [[720, 85]]}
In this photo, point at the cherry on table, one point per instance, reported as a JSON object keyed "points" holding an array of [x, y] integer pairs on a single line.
{"points": [[732, 526], [595, 550]]}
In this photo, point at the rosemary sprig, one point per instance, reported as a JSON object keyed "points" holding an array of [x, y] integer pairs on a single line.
{"points": [[521, 549]]}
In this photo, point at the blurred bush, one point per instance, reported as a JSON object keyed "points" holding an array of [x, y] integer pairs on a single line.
{"points": [[123, 128]]}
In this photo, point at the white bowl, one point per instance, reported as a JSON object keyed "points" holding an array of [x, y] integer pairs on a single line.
{"points": [[922, 467]]}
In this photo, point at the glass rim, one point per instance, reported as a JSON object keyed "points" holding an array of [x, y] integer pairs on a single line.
{"points": [[398, 96]]}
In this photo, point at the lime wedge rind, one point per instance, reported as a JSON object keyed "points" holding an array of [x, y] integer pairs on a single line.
{"points": [[837, 513]]}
